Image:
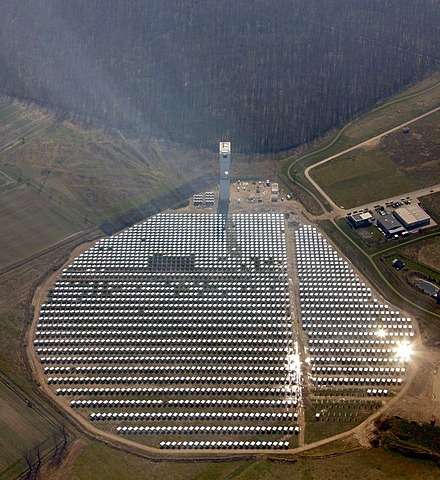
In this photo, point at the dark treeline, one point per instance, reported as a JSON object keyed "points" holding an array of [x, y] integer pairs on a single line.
{"points": [[266, 74]]}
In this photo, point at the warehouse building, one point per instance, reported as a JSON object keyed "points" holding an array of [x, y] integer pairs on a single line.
{"points": [[412, 216], [390, 225]]}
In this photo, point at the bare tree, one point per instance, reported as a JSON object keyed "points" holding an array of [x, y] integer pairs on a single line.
{"points": [[195, 78], [33, 460], [29, 458]]}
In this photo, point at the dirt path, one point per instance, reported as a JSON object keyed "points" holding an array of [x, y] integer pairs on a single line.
{"points": [[297, 332]]}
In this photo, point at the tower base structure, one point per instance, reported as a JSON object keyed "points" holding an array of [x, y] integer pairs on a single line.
{"points": [[224, 190]]}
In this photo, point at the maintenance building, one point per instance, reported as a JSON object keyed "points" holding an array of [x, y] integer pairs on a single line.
{"points": [[390, 225], [359, 220], [412, 216]]}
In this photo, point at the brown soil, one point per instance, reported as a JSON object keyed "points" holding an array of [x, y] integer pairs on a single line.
{"points": [[417, 153], [62, 470], [423, 396]]}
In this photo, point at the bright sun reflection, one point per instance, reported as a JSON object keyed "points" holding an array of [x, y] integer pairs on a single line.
{"points": [[381, 333], [404, 351]]}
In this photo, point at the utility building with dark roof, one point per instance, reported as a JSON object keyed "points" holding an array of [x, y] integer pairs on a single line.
{"points": [[390, 225]]}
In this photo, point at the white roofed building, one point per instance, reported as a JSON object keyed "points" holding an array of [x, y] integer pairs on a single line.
{"points": [[412, 216]]}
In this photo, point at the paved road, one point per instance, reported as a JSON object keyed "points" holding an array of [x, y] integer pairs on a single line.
{"points": [[412, 195], [337, 208]]}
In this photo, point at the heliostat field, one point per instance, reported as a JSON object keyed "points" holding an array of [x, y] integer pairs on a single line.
{"points": [[177, 332]]}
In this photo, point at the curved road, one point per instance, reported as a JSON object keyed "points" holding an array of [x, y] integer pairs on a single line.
{"points": [[338, 209]]}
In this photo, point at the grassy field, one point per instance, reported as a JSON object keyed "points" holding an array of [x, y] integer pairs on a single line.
{"points": [[21, 429], [415, 101], [96, 461], [20, 122], [429, 325], [370, 236], [97, 174], [87, 171], [30, 223], [397, 164], [417, 153], [411, 265], [336, 416], [426, 252], [400, 108], [431, 203], [99, 461], [360, 177], [412, 433], [17, 287]]}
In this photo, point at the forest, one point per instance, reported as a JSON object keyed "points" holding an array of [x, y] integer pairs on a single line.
{"points": [[265, 74]]}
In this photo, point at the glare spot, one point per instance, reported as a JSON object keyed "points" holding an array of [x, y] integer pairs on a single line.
{"points": [[381, 333], [404, 351]]}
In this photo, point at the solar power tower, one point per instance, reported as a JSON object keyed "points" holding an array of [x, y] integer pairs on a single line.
{"points": [[225, 165]]}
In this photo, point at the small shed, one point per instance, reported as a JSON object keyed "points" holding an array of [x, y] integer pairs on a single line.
{"points": [[397, 264]]}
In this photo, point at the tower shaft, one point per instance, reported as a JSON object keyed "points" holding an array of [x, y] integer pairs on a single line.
{"points": [[225, 166]]}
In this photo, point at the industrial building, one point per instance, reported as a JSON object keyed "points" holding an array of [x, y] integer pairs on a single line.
{"points": [[412, 216], [390, 225], [359, 220], [398, 264]]}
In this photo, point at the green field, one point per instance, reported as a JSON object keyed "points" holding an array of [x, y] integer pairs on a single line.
{"points": [[401, 108], [417, 153], [431, 203], [21, 122], [96, 461], [336, 416], [22, 429], [426, 252], [100, 175], [399, 163], [411, 103], [360, 177], [30, 223], [84, 171]]}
